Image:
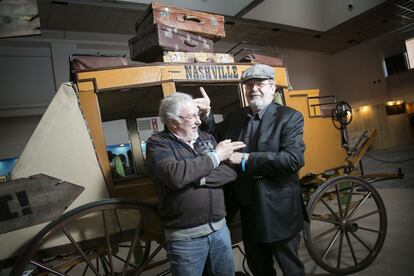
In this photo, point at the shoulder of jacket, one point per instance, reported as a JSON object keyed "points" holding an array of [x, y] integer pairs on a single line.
{"points": [[286, 108], [160, 136]]}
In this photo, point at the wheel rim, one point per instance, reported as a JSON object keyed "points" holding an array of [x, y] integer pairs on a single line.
{"points": [[347, 226], [79, 242]]}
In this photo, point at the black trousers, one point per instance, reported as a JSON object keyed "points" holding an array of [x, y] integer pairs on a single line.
{"points": [[260, 255]]}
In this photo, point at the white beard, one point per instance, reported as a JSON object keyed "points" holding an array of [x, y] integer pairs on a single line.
{"points": [[190, 136], [260, 104]]}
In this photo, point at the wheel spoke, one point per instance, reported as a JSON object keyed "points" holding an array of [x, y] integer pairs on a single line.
{"points": [[124, 261], [361, 241], [366, 215], [44, 267], [328, 249], [338, 200], [84, 271], [362, 201], [133, 244], [117, 220], [69, 269], [104, 264], [368, 229], [348, 203], [108, 243], [97, 263], [80, 251], [318, 218], [329, 208], [324, 233], [351, 248], [138, 270], [341, 240]]}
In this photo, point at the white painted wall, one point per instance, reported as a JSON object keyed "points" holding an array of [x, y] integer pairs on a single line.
{"points": [[358, 75], [27, 75], [309, 70], [15, 133]]}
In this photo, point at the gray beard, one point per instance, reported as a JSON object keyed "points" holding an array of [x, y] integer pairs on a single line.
{"points": [[259, 104], [191, 137]]}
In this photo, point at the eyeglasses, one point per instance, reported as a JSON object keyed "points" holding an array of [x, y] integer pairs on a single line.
{"points": [[194, 116], [259, 84]]}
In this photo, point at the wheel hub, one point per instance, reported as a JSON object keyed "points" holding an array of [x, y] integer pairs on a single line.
{"points": [[347, 225]]}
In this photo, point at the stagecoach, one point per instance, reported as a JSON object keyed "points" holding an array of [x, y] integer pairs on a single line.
{"points": [[111, 225]]}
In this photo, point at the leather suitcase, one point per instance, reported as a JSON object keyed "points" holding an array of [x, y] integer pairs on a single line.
{"points": [[149, 46], [78, 62], [197, 57], [204, 24], [265, 59]]}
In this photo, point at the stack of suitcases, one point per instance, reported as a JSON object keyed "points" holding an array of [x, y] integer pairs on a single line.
{"points": [[169, 34]]}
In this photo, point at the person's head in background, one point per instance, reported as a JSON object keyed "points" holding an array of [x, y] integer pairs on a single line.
{"points": [[180, 115]]}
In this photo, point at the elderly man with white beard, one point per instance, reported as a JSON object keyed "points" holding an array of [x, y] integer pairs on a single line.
{"points": [[267, 189], [188, 170]]}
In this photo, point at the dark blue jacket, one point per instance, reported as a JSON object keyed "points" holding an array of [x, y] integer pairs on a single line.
{"points": [[176, 170]]}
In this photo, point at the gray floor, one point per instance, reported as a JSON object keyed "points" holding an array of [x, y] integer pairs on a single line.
{"points": [[396, 256]]}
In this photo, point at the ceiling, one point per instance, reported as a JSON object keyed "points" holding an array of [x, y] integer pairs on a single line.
{"points": [[118, 18]]}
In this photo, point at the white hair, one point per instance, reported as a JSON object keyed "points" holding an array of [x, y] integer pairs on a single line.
{"points": [[171, 105]]}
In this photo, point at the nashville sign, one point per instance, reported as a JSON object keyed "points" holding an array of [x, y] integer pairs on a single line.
{"points": [[211, 72]]}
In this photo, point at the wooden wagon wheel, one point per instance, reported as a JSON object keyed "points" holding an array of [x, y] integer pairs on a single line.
{"points": [[79, 242], [347, 227]]}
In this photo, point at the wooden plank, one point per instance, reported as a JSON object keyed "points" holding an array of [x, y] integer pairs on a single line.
{"points": [[29, 201], [90, 110], [168, 88], [149, 75]]}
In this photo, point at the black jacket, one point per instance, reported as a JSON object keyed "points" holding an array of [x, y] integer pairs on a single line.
{"points": [[176, 170], [277, 155]]}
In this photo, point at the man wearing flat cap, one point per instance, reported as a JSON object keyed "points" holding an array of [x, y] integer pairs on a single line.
{"points": [[267, 189]]}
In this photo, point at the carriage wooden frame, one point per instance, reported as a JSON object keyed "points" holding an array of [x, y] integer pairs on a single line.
{"points": [[338, 197]]}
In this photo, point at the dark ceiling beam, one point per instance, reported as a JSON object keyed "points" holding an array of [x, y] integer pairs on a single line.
{"points": [[230, 20], [248, 8], [103, 3]]}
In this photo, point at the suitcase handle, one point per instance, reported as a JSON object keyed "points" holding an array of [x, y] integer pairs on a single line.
{"points": [[186, 17], [190, 42]]}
